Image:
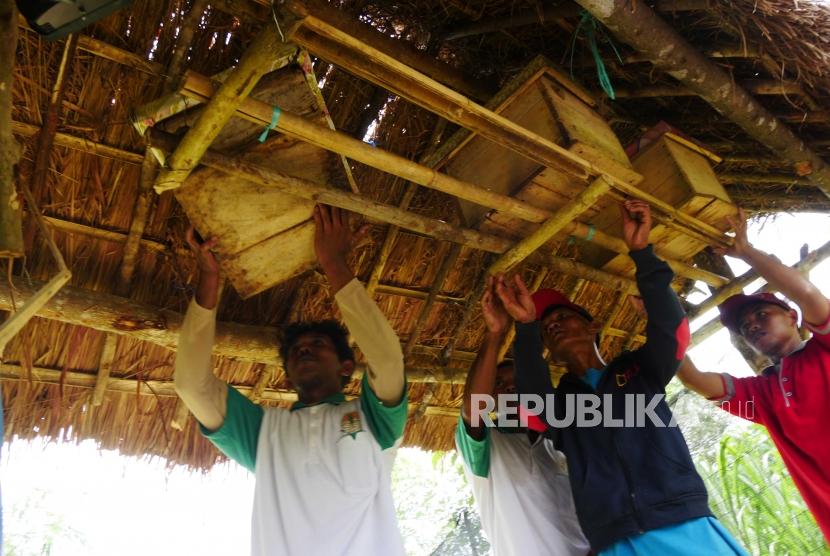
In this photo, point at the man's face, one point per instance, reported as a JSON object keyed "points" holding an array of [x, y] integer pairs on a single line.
{"points": [[563, 329], [313, 362], [768, 328]]}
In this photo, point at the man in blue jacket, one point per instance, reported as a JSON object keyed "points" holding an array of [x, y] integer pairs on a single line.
{"points": [[635, 488]]}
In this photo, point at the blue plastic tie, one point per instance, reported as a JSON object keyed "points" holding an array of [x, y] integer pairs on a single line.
{"points": [[275, 117]]}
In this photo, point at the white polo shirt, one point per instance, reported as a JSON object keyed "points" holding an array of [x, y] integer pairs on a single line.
{"points": [[522, 493], [323, 472]]}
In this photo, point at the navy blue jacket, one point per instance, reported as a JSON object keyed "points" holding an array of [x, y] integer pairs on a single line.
{"points": [[625, 480]]}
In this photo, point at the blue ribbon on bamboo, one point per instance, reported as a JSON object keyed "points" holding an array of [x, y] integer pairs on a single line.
{"points": [[275, 117], [592, 26]]}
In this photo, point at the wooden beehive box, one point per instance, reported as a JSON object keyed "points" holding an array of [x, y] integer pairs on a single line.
{"points": [[542, 99], [680, 173], [264, 236]]}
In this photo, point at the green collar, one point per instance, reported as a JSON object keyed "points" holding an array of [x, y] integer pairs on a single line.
{"points": [[334, 399]]}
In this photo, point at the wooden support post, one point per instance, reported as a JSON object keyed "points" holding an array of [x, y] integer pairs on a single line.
{"points": [[755, 87], [256, 62], [670, 52], [137, 224], [426, 308], [45, 139], [11, 220], [187, 29], [567, 214], [104, 368], [786, 180], [619, 305]]}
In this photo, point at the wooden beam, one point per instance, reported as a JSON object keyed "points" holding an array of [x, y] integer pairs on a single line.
{"points": [[737, 286], [104, 369], [120, 56], [137, 224], [187, 28], [45, 138], [423, 314], [768, 178], [755, 87], [258, 60], [670, 52], [396, 48], [80, 144]]}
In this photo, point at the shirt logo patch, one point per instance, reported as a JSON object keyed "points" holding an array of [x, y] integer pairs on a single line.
{"points": [[624, 377], [350, 424]]}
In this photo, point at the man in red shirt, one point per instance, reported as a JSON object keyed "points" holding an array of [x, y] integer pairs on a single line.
{"points": [[792, 397]]}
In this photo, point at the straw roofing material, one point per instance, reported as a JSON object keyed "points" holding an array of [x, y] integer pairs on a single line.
{"points": [[99, 192]]}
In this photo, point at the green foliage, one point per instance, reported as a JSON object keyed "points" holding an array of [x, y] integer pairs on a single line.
{"points": [[37, 530], [753, 495]]}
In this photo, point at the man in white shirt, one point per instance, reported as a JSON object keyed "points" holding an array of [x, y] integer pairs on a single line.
{"points": [[323, 468], [520, 481]]}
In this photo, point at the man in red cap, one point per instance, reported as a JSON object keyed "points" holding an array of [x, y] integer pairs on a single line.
{"points": [[635, 488], [792, 397]]}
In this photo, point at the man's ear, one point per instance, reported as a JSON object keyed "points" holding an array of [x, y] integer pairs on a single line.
{"points": [[347, 368], [794, 316], [594, 327]]}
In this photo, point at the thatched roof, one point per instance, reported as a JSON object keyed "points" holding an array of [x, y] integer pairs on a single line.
{"points": [[96, 363]]}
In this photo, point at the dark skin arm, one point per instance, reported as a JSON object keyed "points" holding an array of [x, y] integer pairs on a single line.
{"points": [[482, 376], [207, 290]]}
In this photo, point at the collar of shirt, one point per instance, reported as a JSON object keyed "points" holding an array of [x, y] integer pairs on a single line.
{"points": [[776, 368], [334, 399]]}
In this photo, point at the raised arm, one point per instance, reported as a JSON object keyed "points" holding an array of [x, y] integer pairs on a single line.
{"points": [[200, 390], [667, 330], [333, 239], [789, 281], [482, 376], [708, 385]]}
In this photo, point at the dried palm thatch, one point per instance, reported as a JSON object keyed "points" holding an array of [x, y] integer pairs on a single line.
{"points": [[94, 177]]}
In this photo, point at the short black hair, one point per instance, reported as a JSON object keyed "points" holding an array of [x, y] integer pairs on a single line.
{"points": [[335, 331]]}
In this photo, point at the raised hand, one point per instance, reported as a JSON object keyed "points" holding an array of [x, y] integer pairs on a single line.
{"points": [[207, 291], [516, 298], [741, 246], [204, 258], [333, 239], [636, 216], [495, 315]]}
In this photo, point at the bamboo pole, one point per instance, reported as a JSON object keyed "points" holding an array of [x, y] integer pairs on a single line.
{"points": [[200, 87], [137, 223], [755, 87], [398, 49], [80, 144], [187, 29], [406, 199], [104, 369], [11, 220], [45, 138], [120, 56], [568, 213], [670, 52], [256, 62], [737, 286], [423, 315], [767, 178]]}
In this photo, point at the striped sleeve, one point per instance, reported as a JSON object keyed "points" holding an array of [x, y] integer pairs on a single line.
{"points": [[475, 453]]}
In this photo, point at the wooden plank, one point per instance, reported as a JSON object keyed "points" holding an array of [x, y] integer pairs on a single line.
{"points": [[80, 144]]}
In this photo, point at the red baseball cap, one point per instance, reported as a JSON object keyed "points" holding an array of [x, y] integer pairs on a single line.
{"points": [[731, 309], [547, 298]]}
